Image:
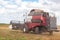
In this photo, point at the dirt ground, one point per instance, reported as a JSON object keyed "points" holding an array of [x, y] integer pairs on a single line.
{"points": [[8, 34]]}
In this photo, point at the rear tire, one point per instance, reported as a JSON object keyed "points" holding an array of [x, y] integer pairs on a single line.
{"points": [[36, 30]]}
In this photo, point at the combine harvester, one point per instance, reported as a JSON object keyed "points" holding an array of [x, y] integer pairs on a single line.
{"points": [[37, 21]]}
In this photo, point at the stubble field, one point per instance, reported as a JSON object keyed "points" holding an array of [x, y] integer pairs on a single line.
{"points": [[8, 34]]}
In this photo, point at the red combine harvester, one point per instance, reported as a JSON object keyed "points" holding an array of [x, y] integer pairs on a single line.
{"points": [[39, 21]]}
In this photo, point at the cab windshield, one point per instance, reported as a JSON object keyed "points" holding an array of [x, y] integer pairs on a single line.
{"points": [[35, 14]]}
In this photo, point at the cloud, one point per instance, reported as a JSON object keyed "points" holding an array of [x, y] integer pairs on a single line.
{"points": [[15, 9], [11, 6], [30, 0], [56, 1], [2, 10]]}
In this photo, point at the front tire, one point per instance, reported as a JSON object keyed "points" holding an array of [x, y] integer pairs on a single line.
{"points": [[25, 29], [36, 30]]}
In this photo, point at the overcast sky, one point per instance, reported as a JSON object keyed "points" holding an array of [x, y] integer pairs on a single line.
{"points": [[14, 9]]}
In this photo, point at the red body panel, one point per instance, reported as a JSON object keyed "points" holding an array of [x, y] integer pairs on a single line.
{"points": [[31, 25], [36, 17], [39, 17]]}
